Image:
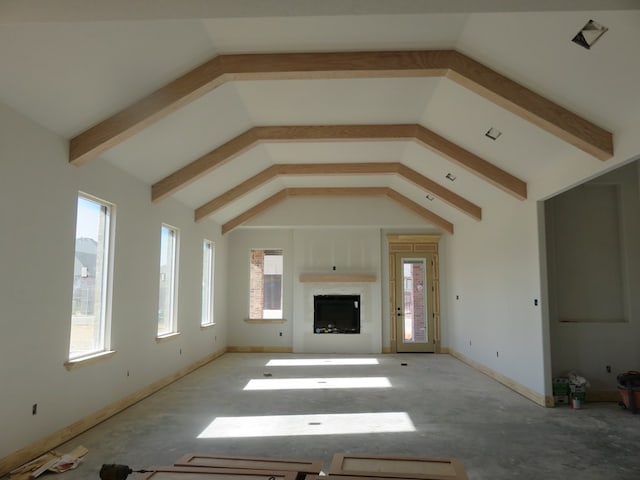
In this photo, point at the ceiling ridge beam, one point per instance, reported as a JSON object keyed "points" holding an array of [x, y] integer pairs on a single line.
{"points": [[438, 191], [423, 63], [471, 162], [199, 167], [337, 191], [255, 210], [420, 210], [531, 106], [371, 168], [236, 192], [337, 133]]}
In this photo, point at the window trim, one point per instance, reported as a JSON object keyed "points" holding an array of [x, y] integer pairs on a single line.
{"points": [[173, 323], [106, 300], [207, 319], [261, 318]]}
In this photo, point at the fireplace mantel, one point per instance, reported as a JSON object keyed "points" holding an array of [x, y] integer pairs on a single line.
{"points": [[337, 277]]}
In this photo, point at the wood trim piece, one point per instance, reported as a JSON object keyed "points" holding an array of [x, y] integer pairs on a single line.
{"points": [[446, 195], [337, 191], [391, 64], [300, 467], [67, 433], [342, 133], [190, 472], [396, 466], [337, 277]]}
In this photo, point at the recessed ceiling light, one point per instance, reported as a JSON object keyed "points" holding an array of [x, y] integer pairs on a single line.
{"points": [[589, 34], [430, 197], [493, 133], [451, 176]]}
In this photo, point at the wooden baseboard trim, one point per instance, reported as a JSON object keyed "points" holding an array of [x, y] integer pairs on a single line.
{"points": [[526, 392], [50, 442], [250, 349]]}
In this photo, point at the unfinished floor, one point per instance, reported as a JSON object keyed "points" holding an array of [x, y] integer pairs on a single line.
{"points": [[455, 411]]}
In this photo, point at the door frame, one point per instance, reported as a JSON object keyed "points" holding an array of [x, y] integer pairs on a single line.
{"points": [[419, 244]]}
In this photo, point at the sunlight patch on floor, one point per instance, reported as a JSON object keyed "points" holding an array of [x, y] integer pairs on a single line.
{"points": [[317, 383], [299, 425], [304, 362]]}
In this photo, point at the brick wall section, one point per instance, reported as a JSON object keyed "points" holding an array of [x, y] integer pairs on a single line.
{"points": [[256, 284]]}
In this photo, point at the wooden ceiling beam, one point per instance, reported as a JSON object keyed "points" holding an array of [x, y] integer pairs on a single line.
{"points": [[456, 66], [370, 168], [337, 191], [339, 133]]}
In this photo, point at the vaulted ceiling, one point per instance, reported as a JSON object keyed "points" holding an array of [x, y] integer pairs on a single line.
{"points": [[234, 109]]}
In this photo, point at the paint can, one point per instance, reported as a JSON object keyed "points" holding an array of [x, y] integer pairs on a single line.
{"points": [[576, 403]]}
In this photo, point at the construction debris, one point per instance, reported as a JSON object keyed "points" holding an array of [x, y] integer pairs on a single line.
{"points": [[52, 461]]}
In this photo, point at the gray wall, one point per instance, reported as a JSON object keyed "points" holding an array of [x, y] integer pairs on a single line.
{"points": [[593, 252]]}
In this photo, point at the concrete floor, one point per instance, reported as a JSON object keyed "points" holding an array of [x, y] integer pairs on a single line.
{"points": [[457, 412]]}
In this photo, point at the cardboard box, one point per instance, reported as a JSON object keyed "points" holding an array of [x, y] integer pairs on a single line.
{"points": [[561, 400], [560, 386]]}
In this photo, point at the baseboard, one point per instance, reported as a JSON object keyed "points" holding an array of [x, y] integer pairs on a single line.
{"points": [[50, 442], [250, 349], [526, 392]]}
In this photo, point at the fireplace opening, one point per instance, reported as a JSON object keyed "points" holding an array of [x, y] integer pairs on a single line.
{"points": [[336, 313]]}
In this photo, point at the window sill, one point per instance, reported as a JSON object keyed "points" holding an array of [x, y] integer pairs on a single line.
{"points": [[167, 337], [264, 321], [88, 360], [207, 325]]}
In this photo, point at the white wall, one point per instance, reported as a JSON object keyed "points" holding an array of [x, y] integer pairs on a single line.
{"points": [[38, 195], [491, 277], [307, 250]]}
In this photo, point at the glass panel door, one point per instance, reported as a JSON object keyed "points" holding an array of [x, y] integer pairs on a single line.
{"points": [[414, 321], [413, 304]]}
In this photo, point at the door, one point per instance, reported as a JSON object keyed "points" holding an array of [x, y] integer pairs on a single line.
{"points": [[414, 302]]}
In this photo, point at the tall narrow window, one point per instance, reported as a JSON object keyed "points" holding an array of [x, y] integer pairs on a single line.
{"points": [[265, 296], [208, 262], [168, 278], [91, 280]]}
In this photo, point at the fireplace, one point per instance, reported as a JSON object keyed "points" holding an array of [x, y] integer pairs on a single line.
{"points": [[336, 314]]}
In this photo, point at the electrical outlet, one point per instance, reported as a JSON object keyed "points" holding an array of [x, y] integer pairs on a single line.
{"points": [[280, 333], [127, 373], [34, 409], [497, 355]]}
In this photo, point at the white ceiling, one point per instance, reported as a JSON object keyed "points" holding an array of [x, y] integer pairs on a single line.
{"points": [[68, 66]]}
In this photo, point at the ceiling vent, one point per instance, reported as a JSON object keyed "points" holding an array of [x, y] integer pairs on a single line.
{"points": [[589, 34], [493, 133]]}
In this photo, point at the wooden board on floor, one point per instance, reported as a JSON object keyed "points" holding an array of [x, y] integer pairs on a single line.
{"points": [[204, 473], [396, 466], [301, 467]]}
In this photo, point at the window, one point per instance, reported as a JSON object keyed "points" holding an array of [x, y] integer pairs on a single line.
{"points": [[90, 325], [168, 278], [208, 262], [265, 284]]}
